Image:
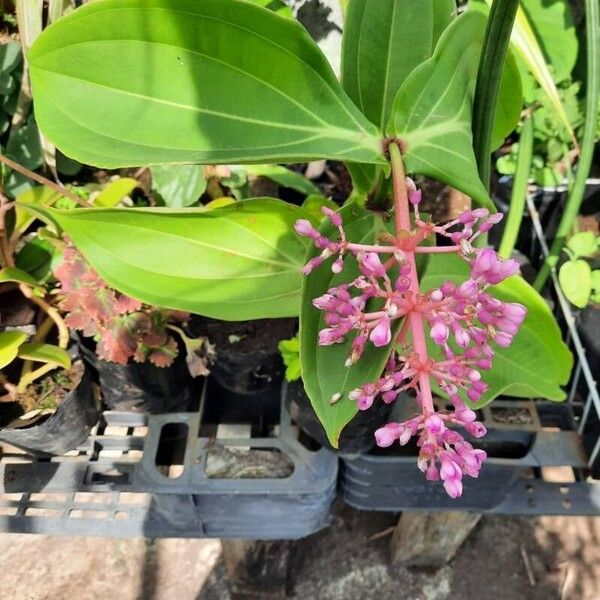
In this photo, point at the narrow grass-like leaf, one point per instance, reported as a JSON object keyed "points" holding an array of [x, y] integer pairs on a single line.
{"points": [[128, 82], [238, 262]]}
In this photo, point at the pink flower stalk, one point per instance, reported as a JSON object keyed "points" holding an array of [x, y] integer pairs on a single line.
{"points": [[463, 319]]}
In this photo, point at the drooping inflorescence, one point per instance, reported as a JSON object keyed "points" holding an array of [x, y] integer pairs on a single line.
{"points": [[463, 319]]}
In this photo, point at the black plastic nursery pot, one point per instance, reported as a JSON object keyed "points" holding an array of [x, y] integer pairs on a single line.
{"points": [[140, 386], [175, 475], [388, 479], [247, 357], [357, 437], [63, 430]]}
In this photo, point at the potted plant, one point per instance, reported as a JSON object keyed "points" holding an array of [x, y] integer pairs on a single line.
{"points": [[366, 314]]}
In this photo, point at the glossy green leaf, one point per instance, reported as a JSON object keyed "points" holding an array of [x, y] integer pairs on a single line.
{"points": [[284, 177], [115, 191], [10, 57], [128, 82], [45, 353], [383, 43], [9, 346], [178, 185], [14, 275], [238, 262], [323, 370], [537, 363], [575, 278], [36, 258], [42, 196], [433, 110]]}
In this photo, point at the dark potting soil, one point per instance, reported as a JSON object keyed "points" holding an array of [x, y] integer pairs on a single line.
{"points": [[247, 356]]}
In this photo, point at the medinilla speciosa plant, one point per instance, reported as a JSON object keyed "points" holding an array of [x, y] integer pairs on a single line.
{"points": [[382, 308]]}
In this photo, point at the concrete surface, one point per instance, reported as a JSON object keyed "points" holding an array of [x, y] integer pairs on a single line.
{"points": [[504, 559]]}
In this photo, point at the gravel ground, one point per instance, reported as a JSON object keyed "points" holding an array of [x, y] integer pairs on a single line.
{"points": [[338, 563]]}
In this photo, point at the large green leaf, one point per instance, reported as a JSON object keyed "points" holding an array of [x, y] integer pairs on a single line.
{"points": [[537, 363], [9, 346], [433, 110], [323, 370], [128, 82], [238, 262], [383, 43]]}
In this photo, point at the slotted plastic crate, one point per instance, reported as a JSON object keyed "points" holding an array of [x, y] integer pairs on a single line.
{"points": [[545, 465], [140, 475]]}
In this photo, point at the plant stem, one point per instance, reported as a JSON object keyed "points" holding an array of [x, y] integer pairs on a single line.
{"points": [[491, 64], [592, 16], [415, 318], [519, 190], [43, 180], [27, 378]]}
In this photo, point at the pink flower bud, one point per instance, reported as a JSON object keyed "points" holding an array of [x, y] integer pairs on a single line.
{"points": [[481, 213], [385, 436], [434, 424], [381, 335], [414, 197], [334, 217], [466, 217], [312, 264], [304, 227], [371, 265], [453, 487], [437, 295], [476, 429], [338, 265], [439, 333], [504, 340]]}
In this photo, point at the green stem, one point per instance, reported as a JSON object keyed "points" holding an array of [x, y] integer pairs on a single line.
{"points": [[519, 190], [491, 65], [592, 12]]}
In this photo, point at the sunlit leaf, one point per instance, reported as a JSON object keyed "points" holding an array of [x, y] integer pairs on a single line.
{"points": [[128, 82], [9, 346], [238, 262]]}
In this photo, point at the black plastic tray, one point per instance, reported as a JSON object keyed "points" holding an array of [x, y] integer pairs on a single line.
{"points": [[111, 486], [523, 474]]}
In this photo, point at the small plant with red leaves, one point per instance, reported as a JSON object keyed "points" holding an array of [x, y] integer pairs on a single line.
{"points": [[124, 329]]}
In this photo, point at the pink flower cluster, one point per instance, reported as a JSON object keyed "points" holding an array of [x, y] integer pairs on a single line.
{"points": [[384, 304]]}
